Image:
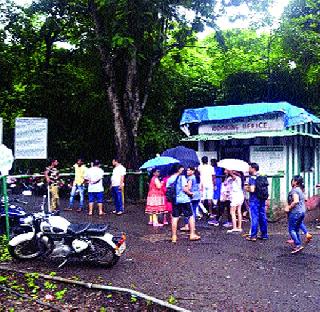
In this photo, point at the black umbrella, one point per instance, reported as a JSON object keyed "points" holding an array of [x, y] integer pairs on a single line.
{"points": [[187, 156]]}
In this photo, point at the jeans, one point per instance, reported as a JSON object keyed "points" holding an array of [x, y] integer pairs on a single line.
{"points": [[194, 205], [76, 187], [295, 220], [117, 198], [258, 217], [303, 228]]}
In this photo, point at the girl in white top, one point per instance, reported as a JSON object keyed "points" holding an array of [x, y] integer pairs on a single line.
{"points": [[237, 198]]}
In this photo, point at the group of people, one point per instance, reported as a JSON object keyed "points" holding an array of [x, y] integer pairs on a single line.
{"points": [[190, 192], [211, 190], [92, 178]]}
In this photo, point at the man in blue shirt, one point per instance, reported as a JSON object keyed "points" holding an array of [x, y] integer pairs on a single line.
{"points": [[257, 206]]}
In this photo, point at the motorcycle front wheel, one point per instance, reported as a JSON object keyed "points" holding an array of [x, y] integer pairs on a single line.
{"points": [[103, 254], [25, 250]]}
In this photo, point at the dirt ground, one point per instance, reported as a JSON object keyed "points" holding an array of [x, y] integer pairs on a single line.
{"points": [[222, 272]]}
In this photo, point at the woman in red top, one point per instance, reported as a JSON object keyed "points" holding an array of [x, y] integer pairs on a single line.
{"points": [[155, 199]]}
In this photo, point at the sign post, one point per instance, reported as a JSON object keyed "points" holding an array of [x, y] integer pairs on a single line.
{"points": [[6, 162]]}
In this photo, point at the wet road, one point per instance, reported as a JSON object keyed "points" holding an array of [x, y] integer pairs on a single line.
{"points": [[222, 272]]}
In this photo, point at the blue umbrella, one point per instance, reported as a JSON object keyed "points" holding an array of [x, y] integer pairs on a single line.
{"points": [[187, 156], [159, 161]]}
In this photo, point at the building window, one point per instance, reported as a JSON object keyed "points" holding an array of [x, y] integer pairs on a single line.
{"points": [[307, 159]]}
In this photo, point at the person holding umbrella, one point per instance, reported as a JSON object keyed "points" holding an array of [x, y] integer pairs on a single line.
{"points": [[155, 199]]}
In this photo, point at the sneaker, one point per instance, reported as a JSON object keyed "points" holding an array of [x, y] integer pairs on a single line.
{"points": [[297, 249], [290, 241], [263, 237], [213, 222], [308, 238], [318, 226], [227, 224]]}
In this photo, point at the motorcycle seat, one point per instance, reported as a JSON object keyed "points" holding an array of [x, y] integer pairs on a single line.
{"points": [[76, 229], [97, 229]]}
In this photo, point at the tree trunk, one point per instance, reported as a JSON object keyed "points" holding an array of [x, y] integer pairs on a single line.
{"points": [[126, 98]]}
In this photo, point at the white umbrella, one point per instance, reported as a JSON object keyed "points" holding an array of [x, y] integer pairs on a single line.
{"points": [[234, 164]]}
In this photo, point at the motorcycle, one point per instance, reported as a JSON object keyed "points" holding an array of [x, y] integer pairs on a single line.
{"points": [[54, 237], [16, 215]]}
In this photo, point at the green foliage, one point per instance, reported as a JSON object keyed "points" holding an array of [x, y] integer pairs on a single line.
{"points": [[31, 279], [68, 86], [172, 299], [133, 299], [60, 294], [49, 285], [4, 253]]}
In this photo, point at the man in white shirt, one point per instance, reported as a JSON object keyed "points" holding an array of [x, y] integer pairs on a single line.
{"points": [[94, 177], [207, 175], [117, 185]]}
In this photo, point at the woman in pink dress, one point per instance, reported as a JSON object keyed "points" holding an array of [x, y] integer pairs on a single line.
{"points": [[155, 199]]}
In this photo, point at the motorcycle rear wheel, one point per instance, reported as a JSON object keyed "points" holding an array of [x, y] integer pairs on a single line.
{"points": [[103, 254], [25, 250]]}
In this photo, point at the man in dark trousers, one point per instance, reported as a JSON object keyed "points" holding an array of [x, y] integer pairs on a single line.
{"points": [[257, 204]]}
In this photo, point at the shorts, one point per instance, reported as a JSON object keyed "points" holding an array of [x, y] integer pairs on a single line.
{"points": [[207, 193], [96, 196], [184, 209]]}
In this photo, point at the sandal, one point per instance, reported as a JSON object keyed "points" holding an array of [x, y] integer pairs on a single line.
{"points": [[184, 229], [195, 238], [174, 239]]}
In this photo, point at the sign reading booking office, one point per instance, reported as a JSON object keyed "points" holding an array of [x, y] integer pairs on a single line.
{"points": [[274, 124]]}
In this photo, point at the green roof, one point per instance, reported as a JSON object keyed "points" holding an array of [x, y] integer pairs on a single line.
{"points": [[248, 135]]}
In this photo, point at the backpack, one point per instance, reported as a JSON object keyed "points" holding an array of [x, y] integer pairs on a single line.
{"points": [[262, 187], [171, 191]]}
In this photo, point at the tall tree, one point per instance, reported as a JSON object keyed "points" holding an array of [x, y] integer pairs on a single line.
{"points": [[132, 37]]}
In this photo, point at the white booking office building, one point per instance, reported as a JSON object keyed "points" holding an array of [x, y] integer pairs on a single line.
{"points": [[283, 139]]}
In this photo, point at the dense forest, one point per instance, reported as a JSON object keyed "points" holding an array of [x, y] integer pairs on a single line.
{"points": [[114, 76]]}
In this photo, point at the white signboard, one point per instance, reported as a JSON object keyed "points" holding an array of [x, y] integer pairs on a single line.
{"points": [[1, 130], [271, 159], [243, 126], [31, 136]]}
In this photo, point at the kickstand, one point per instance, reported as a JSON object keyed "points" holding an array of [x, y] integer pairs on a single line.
{"points": [[62, 263]]}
